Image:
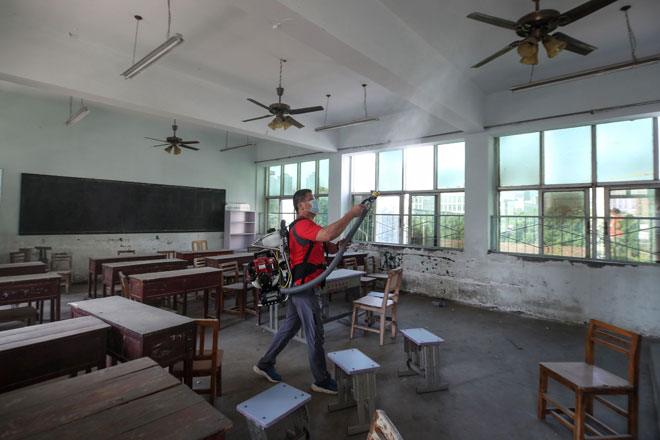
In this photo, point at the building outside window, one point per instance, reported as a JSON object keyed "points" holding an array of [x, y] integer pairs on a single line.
{"points": [[582, 192], [422, 195]]}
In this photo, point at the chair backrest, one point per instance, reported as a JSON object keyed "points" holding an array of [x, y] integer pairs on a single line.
{"points": [[350, 263], [229, 267], [168, 254], [17, 257], [199, 262], [212, 355], [370, 264], [125, 290], [127, 251], [618, 339], [60, 261], [392, 286], [382, 428], [200, 245]]}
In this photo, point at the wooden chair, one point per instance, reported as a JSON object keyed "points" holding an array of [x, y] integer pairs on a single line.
{"points": [[200, 245], [237, 289], [206, 362], [350, 263], [382, 428], [590, 382], [168, 254], [370, 269], [61, 263], [17, 257], [127, 251], [370, 304]]}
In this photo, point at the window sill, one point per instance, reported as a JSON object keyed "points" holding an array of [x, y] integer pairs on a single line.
{"points": [[407, 246], [586, 261]]}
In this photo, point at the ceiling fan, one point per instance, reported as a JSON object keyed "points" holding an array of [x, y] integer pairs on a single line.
{"points": [[536, 27], [174, 142], [282, 110]]}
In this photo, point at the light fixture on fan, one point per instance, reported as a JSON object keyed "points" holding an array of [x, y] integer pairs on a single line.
{"points": [[74, 118], [528, 50], [553, 45], [157, 53]]}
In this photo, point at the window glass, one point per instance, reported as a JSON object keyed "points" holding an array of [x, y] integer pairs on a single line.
{"points": [[419, 168], [519, 159], [286, 210], [273, 214], [365, 231], [451, 221], [451, 165], [567, 155], [390, 170], [274, 175], [291, 179], [324, 170], [422, 220], [322, 216], [633, 225], [308, 175], [624, 151], [387, 219], [519, 234], [363, 172], [564, 224]]}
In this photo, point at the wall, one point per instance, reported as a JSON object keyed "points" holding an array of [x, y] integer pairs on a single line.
{"points": [[108, 144]]}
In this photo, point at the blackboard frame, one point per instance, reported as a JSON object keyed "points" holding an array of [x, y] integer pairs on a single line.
{"points": [[59, 205]]}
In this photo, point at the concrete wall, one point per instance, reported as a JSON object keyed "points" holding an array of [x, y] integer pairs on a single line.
{"points": [[108, 144]]}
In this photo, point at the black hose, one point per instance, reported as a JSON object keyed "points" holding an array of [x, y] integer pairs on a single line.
{"points": [[340, 253]]}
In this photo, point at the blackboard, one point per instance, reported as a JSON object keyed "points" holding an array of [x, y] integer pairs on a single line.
{"points": [[71, 205]]}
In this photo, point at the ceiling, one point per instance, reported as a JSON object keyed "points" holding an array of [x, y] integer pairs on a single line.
{"points": [[414, 56]]}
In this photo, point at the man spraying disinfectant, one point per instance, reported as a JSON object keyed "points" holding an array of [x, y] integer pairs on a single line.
{"points": [[307, 242]]}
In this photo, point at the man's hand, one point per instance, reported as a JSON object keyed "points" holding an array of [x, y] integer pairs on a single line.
{"points": [[356, 210]]}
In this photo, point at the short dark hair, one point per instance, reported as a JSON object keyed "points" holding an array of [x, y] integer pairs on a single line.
{"points": [[300, 196]]}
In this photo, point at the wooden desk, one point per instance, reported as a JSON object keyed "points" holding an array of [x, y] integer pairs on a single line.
{"points": [[111, 270], [28, 268], [359, 256], [149, 287], [38, 287], [40, 352], [134, 400], [241, 259], [140, 330], [96, 263], [190, 256]]}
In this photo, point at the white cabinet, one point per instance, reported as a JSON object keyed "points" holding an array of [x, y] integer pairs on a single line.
{"points": [[240, 229]]}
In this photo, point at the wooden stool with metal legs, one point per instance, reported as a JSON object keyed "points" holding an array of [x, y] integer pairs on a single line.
{"points": [[590, 382]]}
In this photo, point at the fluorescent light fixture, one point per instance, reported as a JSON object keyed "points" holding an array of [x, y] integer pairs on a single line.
{"points": [[587, 73], [77, 116], [249, 144], [154, 55], [346, 124]]}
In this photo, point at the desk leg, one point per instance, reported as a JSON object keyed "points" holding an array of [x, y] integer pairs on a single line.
{"points": [[185, 303], [432, 370], [345, 396], [89, 286], [412, 364], [364, 392], [187, 372], [206, 303]]}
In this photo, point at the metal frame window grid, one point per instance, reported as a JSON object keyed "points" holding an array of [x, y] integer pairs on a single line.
{"points": [[591, 200], [282, 196], [405, 205]]}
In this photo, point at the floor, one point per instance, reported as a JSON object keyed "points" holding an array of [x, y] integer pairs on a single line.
{"points": [[490, 360]]}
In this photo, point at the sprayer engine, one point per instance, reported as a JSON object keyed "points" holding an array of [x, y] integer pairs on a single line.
{"points": [[264, 274]]}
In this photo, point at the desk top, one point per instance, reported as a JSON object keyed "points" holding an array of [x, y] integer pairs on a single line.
{"points": [[274, 404], [353, 361], [136, 399], [230, 257], [27, 278], [23, 268], [349, 254], [121, 264], [175, 273], [421, 336], [207, 252], [132, 315], [26, 264], [128, 257], [341, 274], [36, 334]]}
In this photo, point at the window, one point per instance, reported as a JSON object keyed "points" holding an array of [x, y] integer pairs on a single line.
{"points": [[595, 193], [422, 199], [284, 180]]}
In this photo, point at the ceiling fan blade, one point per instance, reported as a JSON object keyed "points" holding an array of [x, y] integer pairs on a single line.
{"points": [[190, 148], [169, 149], [188, 142], [582, 11], [573, 45], [293, 122], [260, 117], [507, 24], [154, 139], [499, 53], [297, 111], [259, 104], [161, 145], [177, 150]]}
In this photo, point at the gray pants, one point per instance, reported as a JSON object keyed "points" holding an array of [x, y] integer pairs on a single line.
{"points": [[302, 309]]}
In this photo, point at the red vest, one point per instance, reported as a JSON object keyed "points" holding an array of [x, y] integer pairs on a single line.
{"points": [[307, 256]]}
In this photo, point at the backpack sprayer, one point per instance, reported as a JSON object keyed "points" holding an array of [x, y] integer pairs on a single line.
{"points": [[270, 271]]}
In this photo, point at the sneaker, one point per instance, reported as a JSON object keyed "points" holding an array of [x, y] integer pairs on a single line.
{"points": [[269, 373], [327, 387]]}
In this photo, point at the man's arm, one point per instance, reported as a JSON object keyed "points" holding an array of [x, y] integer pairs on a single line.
{"points": [[335, 229]]}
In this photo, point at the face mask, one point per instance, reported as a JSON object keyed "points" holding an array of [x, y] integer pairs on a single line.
{"points": [[315, 206]]}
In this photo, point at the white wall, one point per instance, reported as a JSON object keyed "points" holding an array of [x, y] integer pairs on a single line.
{"points": [[108, 144]]}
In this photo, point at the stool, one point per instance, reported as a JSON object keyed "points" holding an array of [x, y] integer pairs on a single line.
{"points": [[423, 349], [355, 373], [273, 405]]}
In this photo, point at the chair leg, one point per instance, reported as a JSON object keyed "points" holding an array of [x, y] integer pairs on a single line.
{"points": [[632, 415], [579, 416], [394, 324], [218, 382], [383, 317], [353, 322], [212, 390], [543, 388]]}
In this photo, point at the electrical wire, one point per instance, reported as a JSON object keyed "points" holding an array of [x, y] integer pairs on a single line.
{"points": [[631, 34], [169, 20]]}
